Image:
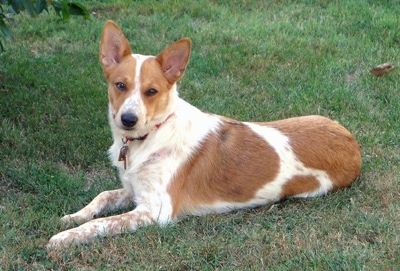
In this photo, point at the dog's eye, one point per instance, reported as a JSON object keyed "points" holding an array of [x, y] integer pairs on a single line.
{"points": [[120, 86], [151, 92]]}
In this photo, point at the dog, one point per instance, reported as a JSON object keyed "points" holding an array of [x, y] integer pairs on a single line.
{"points": [[175, 160]]}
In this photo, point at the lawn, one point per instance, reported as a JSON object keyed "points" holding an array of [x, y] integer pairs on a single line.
{"points": [[251, 60]]}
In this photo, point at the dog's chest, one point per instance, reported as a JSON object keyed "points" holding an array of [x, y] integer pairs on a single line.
{"points": [[145, 166], [129, 158]]}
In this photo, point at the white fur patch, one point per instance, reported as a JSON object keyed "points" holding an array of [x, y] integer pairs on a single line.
{"points": [[290, 166]]}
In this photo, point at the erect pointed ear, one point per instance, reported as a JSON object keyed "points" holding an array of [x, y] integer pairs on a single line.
{"points": [[113, 45], [174, 59]]}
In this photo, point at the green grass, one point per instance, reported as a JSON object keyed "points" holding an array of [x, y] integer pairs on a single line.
{"points": [[251, 61]]}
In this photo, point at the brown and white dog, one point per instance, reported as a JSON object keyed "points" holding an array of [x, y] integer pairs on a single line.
{"points": [[175, 160]]}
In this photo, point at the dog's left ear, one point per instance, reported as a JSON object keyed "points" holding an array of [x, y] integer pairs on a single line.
{"points": [[174, 59]]}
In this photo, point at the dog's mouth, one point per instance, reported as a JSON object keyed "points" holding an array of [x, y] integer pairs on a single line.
{"points": [[128, 129], [132, 132]]}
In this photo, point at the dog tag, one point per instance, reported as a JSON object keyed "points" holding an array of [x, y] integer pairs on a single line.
{"points": [[122, 154]]}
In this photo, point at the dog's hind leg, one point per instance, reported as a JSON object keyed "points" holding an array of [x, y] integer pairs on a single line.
{"points": [[104, 202]]}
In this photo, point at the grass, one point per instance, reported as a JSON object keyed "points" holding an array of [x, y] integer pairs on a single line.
{"points": [[251, 61]]}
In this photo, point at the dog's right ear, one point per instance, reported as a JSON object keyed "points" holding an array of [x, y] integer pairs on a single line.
{"points": [[174, 59], [113, 45]]}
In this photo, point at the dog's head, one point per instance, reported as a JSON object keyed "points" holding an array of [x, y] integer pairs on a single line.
{"points": [[141, 89]]}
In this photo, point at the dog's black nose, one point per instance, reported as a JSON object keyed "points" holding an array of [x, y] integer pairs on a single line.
{"points": [[129, 120]]}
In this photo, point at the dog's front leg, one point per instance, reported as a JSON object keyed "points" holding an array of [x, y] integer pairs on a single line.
{"points": [[105, 201], [107, 226]]}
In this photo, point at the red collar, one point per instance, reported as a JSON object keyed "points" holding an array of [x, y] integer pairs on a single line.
{"points": [[143, 137]]}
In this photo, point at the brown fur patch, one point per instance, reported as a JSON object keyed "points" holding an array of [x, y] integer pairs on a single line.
{"points": [[152, 76], [230, 165], [323, 144], [124, 73], [299, 185]]}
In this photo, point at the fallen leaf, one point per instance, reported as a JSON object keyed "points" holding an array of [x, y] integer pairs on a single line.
{"points": [[382, 69]]}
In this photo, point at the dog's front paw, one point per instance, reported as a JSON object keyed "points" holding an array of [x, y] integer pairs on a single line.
{"points": [[63, 240]]}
